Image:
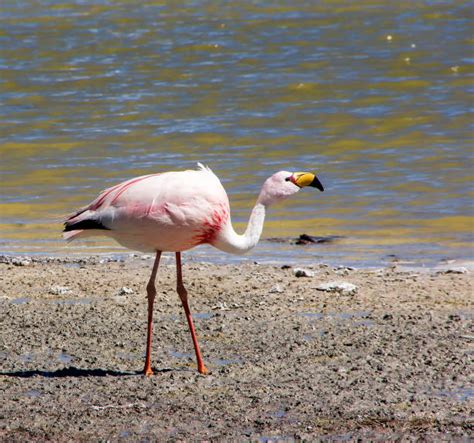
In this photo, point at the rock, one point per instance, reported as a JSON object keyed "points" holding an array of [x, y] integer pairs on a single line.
{"points": [[125, 291], [342, 272], [342, 287], [300, 272], [344, 268], [59, 290], [277, 289], [305, 239], [220, 306], [457, 270], [21, 261]]}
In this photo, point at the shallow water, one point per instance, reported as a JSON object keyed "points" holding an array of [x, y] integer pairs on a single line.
{"points": [[64, 358], [20, 300], [373, 96], [460, 394]]}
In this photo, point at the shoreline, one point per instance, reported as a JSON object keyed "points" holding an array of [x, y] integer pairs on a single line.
{"points": [[289, 360], [303, 250], [460, 265]]}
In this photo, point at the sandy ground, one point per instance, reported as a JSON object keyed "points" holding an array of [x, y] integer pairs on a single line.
{"points": [[288, 361]]}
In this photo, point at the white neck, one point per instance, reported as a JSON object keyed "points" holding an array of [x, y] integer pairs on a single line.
{"points": [[229, 241]]}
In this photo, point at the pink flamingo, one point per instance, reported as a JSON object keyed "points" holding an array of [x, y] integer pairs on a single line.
{"points": [[176, 211]]}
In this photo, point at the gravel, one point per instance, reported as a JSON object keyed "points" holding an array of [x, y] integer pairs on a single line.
{"points": [[288, 362]]}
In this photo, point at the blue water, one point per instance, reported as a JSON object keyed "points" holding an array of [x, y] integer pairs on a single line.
{"points": [[373, 97]]}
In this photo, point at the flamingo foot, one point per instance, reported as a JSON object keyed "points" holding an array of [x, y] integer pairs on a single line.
{"points": [[203, 370], [148, 372]]}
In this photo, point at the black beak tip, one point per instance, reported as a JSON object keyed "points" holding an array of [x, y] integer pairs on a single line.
{"points": [[317, 184]]}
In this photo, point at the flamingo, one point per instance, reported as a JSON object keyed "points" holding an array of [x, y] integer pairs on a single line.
{"points": [[174, 212]]}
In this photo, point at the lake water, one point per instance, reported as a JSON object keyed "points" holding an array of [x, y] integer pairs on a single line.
{"points": [[372, 96]]}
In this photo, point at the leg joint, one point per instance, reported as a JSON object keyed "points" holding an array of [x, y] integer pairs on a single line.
{"points": [[151, 290], [181, 289]]}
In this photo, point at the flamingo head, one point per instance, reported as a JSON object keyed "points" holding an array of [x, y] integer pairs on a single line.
{"points": [[283, 184]]}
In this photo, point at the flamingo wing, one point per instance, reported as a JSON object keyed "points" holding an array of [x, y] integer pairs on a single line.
{"points": [[172, 211]]}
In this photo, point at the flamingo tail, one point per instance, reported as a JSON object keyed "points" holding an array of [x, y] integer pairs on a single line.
{"points": [[81, 224]]}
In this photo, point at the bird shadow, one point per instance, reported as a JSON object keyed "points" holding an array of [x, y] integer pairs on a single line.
{"points": [[76, 372]]}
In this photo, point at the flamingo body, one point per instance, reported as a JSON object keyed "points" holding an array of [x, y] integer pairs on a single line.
{"points": [[172, 211]]}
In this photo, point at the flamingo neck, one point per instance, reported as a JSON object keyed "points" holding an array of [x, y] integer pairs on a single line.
{"points": [[230, 241]]}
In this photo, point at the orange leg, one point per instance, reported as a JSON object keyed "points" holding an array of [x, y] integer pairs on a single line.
{"points": [[183, 295], [151, 293]]}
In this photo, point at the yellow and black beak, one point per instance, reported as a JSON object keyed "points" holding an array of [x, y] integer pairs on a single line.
{"points": [[303, 179]]}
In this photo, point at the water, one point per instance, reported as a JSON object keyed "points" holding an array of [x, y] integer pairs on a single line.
{"points": [[372, 96], [20, 300]]}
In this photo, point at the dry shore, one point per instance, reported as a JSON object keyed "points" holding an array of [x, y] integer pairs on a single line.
{"points": [[288, 361]]}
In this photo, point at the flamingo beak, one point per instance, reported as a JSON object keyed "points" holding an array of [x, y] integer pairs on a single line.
{"points": [[303, 179]]}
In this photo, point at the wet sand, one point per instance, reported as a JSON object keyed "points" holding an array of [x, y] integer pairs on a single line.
{"points": [[288, 361]]}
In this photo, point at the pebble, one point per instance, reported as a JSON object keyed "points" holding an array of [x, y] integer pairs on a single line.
{"points": [[344, 288], [125, 291], [220, 306], [344, 268], [59, 290], [342, 272], [277, 289], [300, 272], [21, 261], [456, 270]]}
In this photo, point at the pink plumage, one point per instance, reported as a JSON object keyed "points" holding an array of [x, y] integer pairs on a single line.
{"points": [[172, 211]]}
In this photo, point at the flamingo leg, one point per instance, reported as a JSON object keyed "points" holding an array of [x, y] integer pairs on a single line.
{"points": [[183, 295], [151, 293]]}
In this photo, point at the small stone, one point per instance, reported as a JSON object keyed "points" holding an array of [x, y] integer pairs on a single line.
{"points": [[21, 261], [277, 289], [300, 272], [343, 288], [342, 272], [59, 290], [454, 270], [125, 291], [458, 270], [220, 306]]}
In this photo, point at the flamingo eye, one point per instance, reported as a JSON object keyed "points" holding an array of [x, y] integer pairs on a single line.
{"points": [[287, 179]]}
